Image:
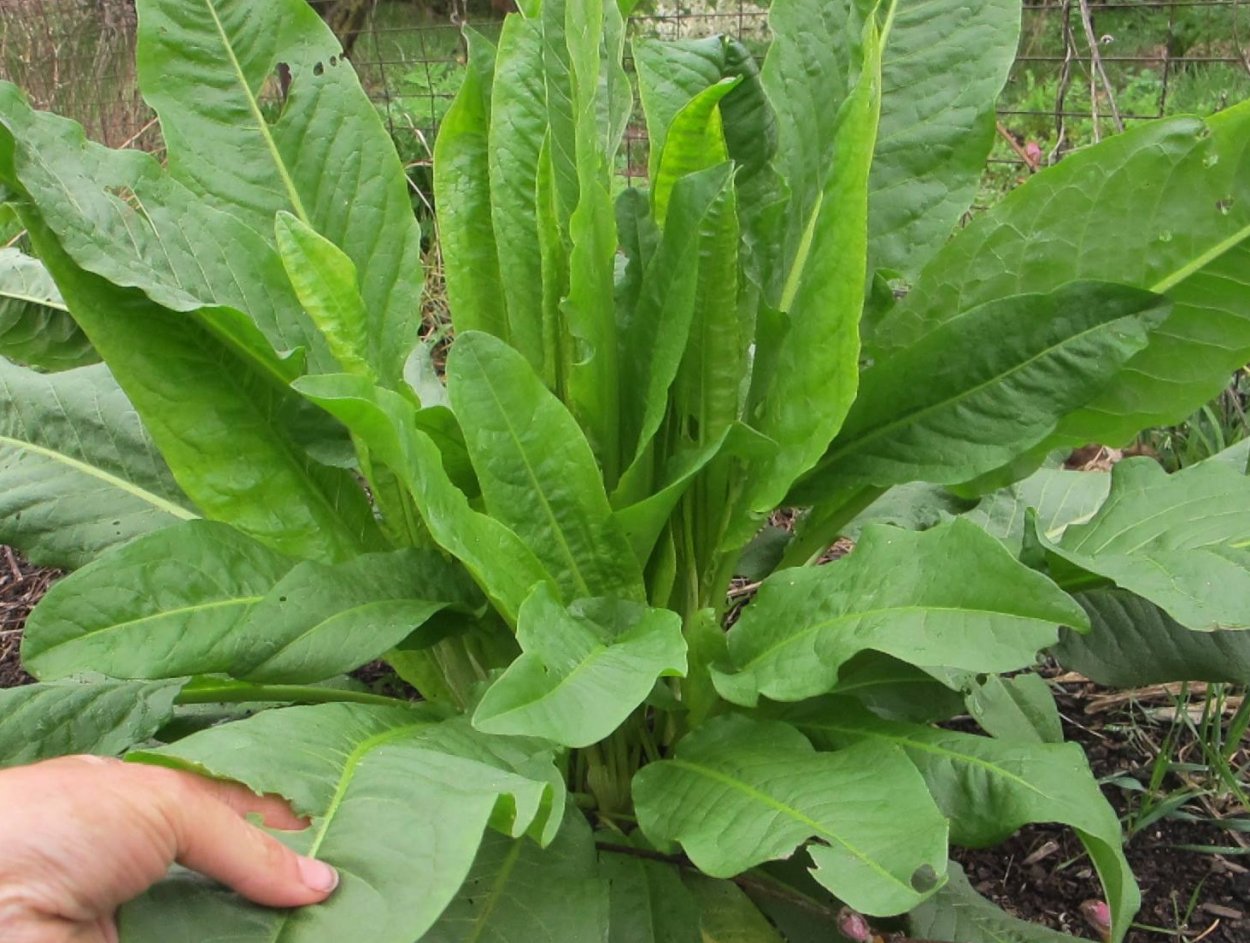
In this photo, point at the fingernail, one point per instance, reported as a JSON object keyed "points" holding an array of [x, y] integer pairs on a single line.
{"points": [[317, 875]]}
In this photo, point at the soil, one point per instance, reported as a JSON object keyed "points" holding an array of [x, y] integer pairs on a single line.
{"points": [[21, 586], [1041, 874]]}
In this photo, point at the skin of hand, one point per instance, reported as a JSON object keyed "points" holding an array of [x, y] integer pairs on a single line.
{"points": [[81, 835]]}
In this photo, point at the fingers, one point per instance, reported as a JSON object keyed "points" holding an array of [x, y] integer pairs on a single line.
{"points": [[213, 838], [273, 810]]}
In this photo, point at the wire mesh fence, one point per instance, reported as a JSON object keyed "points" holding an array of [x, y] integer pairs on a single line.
{"points": [[1084, 69]]}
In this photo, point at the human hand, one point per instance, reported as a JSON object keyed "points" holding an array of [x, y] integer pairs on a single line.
{"points": [[81, 835]]}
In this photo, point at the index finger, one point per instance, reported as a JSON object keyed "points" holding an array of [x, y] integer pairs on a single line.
{"points": [[273, 809]]}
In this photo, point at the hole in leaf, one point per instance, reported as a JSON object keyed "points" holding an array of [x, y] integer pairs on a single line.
{"points": [[283, 75], [125, 194], [318, 69], [281, 599], [334, 60], [1224, 205]]}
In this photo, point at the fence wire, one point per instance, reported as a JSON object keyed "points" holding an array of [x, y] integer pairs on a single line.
{"points": [[1084, 69]]}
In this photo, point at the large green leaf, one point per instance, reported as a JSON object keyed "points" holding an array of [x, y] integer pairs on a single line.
{"points": [[584, 669], [937, 122], [695, 141], [388, 423], [813, 373], [327, 157], [655, 333], [518, 124], [958, 914], [896, 690], [1190, 242], [671, 73], [998, 380], [1134, 643], [914, 506], [1236, 456], [224, 428], [592, 360], [162, 606], [319, 621], [1020, 708], [1058, 497], [35, 328], [398, 800], [649, 902], [893, 594], [40, 721], [202, 598], [989, 788], [517, 892], [78, 472], [536, 469], [462, 193], [1178, 540], [708, 392], [726, 914], [739, 792], [808, 76], [117, 214], [562, 89]]}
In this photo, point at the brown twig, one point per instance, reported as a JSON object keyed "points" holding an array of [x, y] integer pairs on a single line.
{"points": [[138, 134], [1017, 147], [1065, 81], [1095, 59]]}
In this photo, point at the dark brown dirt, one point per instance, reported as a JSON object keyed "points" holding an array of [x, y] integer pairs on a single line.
{"points": [[1041, 874], [22, 584]]}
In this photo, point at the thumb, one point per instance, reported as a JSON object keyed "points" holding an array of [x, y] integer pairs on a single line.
{"points": [[214, 839]]}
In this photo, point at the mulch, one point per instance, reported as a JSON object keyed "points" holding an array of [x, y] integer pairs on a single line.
{"points": [[22, 584], [1041, 874]]}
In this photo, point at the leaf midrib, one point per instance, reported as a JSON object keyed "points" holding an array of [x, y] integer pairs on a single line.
{"points": [[121, 484], [496, 893], [1201, 261], [910, 419], [790, 811], [13, 295], [262, 126], [1118, 534], [573, 568], [593, 658], [350, 766], [347, 612], [824, 624], [927, 747], [93, 634]]}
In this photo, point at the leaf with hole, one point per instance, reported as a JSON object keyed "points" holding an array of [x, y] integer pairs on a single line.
{"points": [[739, 792]]}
